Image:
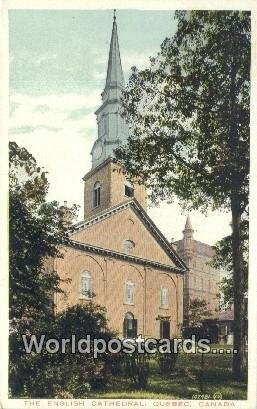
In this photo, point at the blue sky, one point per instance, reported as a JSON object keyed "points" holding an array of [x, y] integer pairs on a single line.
{"points": [[58, 63], [63, 51]]}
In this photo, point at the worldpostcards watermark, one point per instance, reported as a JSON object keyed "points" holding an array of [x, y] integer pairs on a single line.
{"points": [[98, 346]]}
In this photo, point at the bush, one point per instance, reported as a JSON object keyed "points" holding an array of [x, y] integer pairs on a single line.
{"points": [[137, 369], [115, 364], [167, 362], [40, 375]]}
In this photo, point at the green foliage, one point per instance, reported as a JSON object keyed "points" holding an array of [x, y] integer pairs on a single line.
{"points": [[137, 369], [188, 115], [167, 362], [36, 232], [223, 260], [39, 375], [196, 311], [217, 377], [188, 112]]}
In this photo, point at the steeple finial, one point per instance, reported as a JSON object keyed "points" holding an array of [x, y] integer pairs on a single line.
{"points": [[114, 14]]}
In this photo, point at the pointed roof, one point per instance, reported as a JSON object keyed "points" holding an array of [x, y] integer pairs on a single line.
{"points": [[114, 72], [188, 225], [179, 265]]}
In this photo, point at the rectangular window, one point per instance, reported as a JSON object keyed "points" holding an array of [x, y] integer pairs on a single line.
{"points": [[164, 329], [129, 191], [129, 293], [96, 200], [86, 285], [164, 297]]}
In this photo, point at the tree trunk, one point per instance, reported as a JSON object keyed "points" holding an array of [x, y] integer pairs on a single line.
{"points": [[238, 289]]}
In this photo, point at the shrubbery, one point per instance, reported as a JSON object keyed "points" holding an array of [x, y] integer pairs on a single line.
{"points": [[39, 375], [137, 369], [167, 362]]}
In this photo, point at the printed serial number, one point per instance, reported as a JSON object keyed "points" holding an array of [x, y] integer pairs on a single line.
{"points": [[201, 397]]}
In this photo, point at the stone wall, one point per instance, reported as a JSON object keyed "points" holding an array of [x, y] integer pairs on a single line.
{"points": [[112, 181], [109, 277]]}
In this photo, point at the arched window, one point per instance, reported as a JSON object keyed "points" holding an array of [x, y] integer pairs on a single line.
{"points": [[164, 297], [129, 292], [129, 189], [129, 326], [86, 285], [128, 246], [97, 194]]}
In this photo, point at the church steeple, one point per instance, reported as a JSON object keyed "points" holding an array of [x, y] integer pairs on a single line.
{"points": [[112, 127], [114, 76], [106, 184]]}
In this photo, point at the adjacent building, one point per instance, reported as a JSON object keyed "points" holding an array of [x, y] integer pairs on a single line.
{"points": [[201, 279]]}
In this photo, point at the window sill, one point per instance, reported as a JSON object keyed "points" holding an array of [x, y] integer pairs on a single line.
{"points": [[83, 297], [164, 308], [128, 303]]}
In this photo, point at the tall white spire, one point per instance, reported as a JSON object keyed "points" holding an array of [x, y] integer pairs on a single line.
{"points": [[112, 127], [114, 76]]}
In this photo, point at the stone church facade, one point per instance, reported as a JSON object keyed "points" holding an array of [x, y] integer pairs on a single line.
{"points": [[118, 258], [201, 279]]}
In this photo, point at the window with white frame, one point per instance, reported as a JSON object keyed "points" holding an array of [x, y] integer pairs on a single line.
{"points": [[164, 297], [97, 194], [86, 285], [129, 292]]}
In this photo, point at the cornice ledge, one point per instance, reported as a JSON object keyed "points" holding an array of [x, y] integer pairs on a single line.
{"points": [[150, 225], [124, 256]]}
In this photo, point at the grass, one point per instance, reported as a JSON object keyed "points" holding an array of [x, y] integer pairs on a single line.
{"points": [[217, 381]]}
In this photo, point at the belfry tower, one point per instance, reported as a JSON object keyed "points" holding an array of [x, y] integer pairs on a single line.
{"points": [[106, 184]]}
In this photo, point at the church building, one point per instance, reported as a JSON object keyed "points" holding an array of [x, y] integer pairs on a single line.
{"points": [[118, 258]]}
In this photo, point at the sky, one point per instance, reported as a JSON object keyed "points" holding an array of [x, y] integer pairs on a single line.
{"points": [[58, 64]]}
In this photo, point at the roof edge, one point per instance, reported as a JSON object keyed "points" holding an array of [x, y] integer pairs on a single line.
{"points": [[123, 256], [138, 209]]}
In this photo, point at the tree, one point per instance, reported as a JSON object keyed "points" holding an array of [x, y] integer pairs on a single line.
{"points": [[36, 233], [196, 311], [188, 115], [223, 261]]}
